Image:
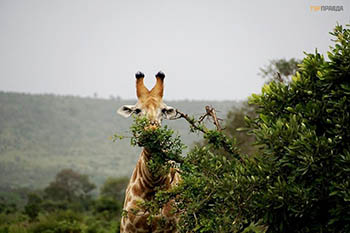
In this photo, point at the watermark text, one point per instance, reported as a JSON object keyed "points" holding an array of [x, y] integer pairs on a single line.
{"points": [[326, 8]]}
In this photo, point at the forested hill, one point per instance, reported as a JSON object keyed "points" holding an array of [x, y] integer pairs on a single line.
{"points": [[42, 134]]}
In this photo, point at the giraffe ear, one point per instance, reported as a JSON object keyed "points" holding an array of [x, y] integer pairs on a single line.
{"points": [[126, 110], [169, 112]]}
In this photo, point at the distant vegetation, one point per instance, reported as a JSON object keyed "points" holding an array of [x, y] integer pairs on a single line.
{"points": [[66, 205], [43, 134]]}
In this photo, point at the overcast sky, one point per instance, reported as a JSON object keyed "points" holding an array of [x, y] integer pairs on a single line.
{"points": [[207, 49]]}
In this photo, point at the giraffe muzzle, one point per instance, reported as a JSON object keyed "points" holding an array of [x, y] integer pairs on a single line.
{"points": [[152, 125]]}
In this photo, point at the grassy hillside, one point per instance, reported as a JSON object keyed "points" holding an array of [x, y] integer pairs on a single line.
{"points": [[42, 134]]}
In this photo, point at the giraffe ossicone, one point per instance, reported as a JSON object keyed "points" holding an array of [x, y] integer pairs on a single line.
{"points": [[142, 184]]}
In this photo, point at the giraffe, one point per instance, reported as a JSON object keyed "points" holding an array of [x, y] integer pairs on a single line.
{"points": [[142, 183]]}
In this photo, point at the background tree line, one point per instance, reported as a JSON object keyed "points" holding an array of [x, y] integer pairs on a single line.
{"points": [[68, 204]]}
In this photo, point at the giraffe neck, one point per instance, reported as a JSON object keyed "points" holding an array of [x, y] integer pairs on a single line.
{"points": [[142, 187], [143, 182]]}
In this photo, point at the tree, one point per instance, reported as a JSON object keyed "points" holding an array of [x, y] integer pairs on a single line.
{"points": [[235, 127], [280, 69], [32, 208], [298, 181], [69, 186], [108, 207], [114, 188], [109, 204], [304, 127]]}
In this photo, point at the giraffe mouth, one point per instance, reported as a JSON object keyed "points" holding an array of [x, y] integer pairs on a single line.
{"points": [[152, 125]]}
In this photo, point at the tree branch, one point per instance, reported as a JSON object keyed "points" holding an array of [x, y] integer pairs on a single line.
{"points": [[225, 142], [210, 112]]}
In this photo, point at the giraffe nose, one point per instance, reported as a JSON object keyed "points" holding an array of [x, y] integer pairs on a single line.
{"points": [[153, 125]]}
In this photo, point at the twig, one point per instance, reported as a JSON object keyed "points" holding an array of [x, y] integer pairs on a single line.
{"points": [[190, 120], [197, 125], [195, 217], [210, 112], [279, 78]]}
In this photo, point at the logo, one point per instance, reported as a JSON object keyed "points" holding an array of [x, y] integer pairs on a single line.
{"points": [[326, 8]]}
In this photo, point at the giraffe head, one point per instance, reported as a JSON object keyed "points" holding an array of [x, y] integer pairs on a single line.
{"points": [[150, 102]]}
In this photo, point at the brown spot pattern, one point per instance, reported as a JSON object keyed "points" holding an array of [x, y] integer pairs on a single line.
{"points": [[130, 228], [141, 222], [136, 191]]}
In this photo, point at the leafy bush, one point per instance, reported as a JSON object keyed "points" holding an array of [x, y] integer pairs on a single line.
{"points": [[299, 180], [161, 142], [108, 207], [12, 222], [114, 188], [32, 208], [59, 222], [100, 226], [69, 186], [305, 130], [207, 178], [7, 208], [235, 128]]}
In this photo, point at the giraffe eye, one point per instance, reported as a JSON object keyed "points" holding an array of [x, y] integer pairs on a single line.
{"points": [[167, 111], [137, 111]]}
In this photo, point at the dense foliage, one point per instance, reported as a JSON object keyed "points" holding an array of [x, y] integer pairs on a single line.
{"points": [[206, 199], [235, 127], [66, 206], [114, 188], [298, 181], [304, 128], [70, 186]]}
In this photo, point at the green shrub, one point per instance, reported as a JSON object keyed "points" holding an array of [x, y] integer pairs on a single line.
{"points": [[102, 226], [6, 219], [298, 181], [108, 208], [32, 208], [58, 222], [304, 128], [114, 188], [15, 228]]}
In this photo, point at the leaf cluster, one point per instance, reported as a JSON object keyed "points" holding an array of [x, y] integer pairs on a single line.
{"points": [[160, 141]]}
